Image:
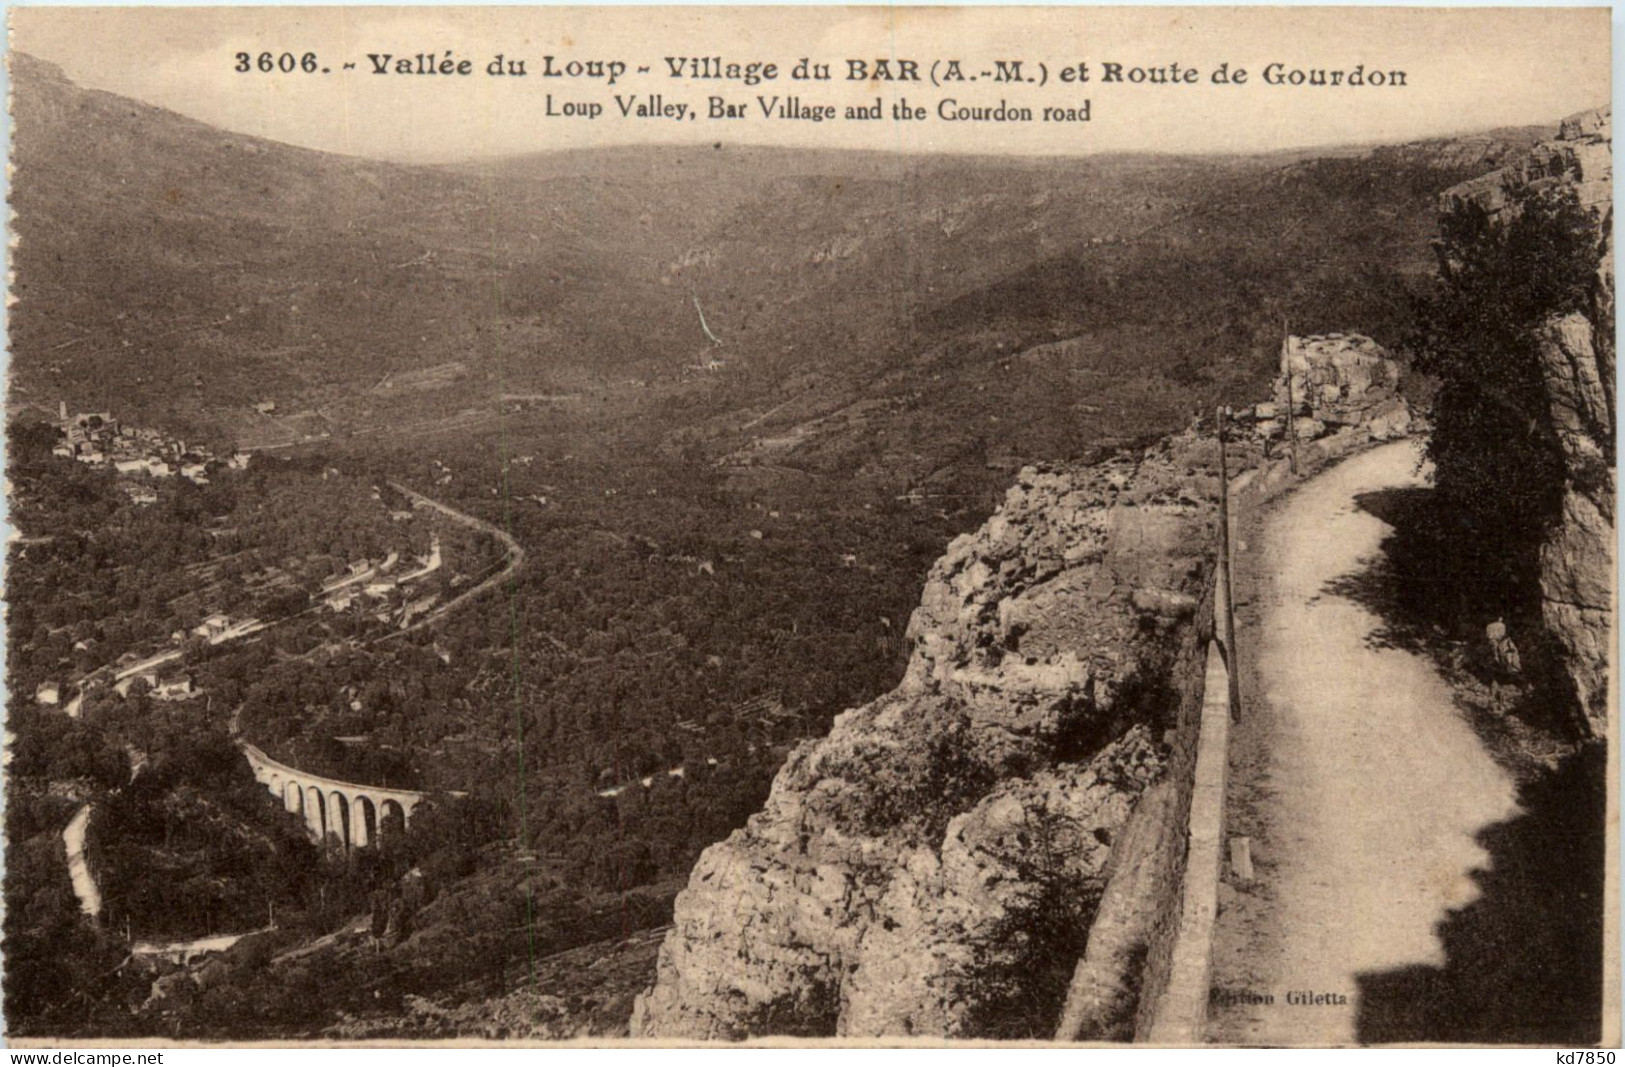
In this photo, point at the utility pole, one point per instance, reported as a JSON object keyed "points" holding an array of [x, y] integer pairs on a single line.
{"points": [[1291, 403], [1224, 606]]}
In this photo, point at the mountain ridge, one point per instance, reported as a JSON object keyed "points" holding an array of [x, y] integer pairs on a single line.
{"points": [[302, 276]]}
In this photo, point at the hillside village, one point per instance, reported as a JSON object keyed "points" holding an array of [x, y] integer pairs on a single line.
{"points": [[102, 441], [392, 591]]}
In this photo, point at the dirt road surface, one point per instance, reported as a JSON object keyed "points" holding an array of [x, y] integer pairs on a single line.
{"points": [[84, 883], [1369, 792]]}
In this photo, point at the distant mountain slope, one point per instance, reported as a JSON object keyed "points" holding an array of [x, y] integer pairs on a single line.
{"points": [[156, 249], [183, 272]]}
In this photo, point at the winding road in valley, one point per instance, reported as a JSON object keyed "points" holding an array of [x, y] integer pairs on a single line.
{"points": [[84, 883], [1365, 788], [516, 558]]}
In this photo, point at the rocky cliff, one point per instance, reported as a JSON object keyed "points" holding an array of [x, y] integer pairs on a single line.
{"points": [[925, 866], [934, 866], [1331, 382], [1577, 363]]}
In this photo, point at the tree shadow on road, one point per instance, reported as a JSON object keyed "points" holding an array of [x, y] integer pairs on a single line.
{"points": [[1428, 602], [1411, 585], [1523, 962]]}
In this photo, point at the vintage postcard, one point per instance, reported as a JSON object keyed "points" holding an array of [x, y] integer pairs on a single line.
{"points": [[870, 525]]}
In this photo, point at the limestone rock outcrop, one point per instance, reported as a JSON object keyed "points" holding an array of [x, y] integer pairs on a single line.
{"points": [[1329, 382], [902, 874], [1577, 364], [1582, 155]]}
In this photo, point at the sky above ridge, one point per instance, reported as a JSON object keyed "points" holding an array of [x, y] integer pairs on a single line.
{"points": [[1465, 69]]}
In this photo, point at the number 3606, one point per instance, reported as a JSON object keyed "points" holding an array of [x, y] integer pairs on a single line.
{"points": [[272, 62]]}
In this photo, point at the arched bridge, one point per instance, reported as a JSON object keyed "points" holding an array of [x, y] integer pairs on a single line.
{"points": [[352, 815]]}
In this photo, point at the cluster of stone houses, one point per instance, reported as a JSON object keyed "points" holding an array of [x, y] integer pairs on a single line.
{"points": [[100, 440], [218, 629], [164, 680], [377, 589], [161, 685]]}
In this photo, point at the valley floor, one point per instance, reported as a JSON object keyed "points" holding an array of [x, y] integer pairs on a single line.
{"points": [[1372, 804]]}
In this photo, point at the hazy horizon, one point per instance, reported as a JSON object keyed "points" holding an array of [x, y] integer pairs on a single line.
{"points": [[1469, 71], [966, 153]]}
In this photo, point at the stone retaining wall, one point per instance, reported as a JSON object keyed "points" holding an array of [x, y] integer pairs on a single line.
{"points": [[1178, 960]]}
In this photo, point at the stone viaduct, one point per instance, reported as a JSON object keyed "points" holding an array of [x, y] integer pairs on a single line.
{"points": [[354, 816]]}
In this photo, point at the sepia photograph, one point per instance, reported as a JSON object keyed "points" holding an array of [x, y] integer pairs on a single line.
{"points": [[834, 525]]}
